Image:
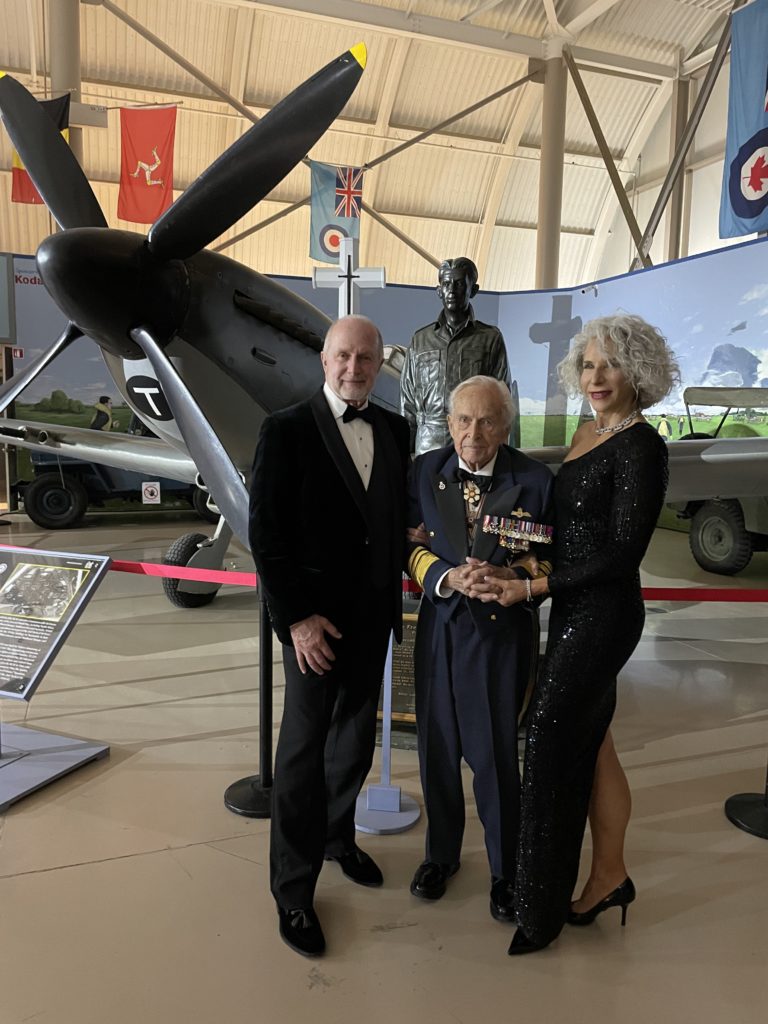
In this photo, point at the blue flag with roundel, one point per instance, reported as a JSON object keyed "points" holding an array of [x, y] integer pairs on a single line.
{"points": [[744, 200], [337, 199]]}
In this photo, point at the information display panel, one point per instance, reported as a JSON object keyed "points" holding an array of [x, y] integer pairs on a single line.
{"points": [[42, 595]]}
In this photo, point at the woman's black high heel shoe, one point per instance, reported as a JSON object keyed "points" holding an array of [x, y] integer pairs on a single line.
{"points": [[521, 944], [621, 896]]}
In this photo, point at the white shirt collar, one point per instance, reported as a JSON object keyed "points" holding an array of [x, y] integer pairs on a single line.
{"points": [[486, 470], [337, 405]]}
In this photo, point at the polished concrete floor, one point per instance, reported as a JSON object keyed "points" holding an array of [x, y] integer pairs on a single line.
{"points": [[129, 894]]}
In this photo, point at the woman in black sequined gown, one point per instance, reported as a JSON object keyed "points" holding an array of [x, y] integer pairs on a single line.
{"points": [[608, 495]]}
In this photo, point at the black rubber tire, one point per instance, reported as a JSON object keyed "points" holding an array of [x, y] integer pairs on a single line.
{"points": [[199, 504], [179, 553], [55, 502], [719, 540]]}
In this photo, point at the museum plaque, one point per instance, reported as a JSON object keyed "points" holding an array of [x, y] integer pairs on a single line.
{"points": [[42, 595], [403, 691]]}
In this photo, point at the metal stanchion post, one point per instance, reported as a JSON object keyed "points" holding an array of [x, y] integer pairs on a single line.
{"points": [[384, 809], [251, 796]]}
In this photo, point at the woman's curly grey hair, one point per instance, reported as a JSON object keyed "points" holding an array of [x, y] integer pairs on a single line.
{"points": [[641, 351]]}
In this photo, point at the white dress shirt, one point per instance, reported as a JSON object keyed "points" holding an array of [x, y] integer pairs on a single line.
{"points": [[357, 435], [442, 589]]}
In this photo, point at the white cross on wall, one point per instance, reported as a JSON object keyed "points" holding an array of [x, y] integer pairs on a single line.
{"points": [[349, 278]]}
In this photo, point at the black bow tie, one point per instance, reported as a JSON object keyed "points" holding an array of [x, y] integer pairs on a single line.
{"points": [[350, 413], [483, 481]]}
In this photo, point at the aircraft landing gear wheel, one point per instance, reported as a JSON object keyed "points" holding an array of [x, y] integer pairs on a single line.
{"points": [[200, 505], [180, 553], [719, 540], [55, 502]]}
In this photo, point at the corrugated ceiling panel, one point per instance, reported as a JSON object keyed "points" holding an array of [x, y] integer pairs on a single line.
{"points": [[584, 190], [14, 38], [520, 202], [200, 32], [618, 103], [287, 50], [439, 81], [512, 260], [433, 183], [649, 29]]}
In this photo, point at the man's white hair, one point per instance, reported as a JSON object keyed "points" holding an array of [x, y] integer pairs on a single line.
{"points": [[480, 381]]}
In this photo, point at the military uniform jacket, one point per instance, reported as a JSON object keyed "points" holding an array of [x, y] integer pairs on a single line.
{"points": [[435, 363], [520, 483]]}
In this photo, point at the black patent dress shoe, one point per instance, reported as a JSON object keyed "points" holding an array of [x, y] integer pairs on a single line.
{"points": [[621, 896], [521, 944], [430, 880], [359, 867], [300, 929], [502, 897]]}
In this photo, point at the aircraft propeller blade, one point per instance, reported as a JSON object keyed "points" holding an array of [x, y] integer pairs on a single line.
{"points": [[49, 161], [207, 452], [258, 161], [13, 387]]}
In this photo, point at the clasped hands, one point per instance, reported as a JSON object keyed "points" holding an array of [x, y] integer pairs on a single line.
{"points": [[482, 580], [485, 582]]}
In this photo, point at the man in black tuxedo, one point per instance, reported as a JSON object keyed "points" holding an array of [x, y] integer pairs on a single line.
{"points": [[482, 509], [327, 529]]}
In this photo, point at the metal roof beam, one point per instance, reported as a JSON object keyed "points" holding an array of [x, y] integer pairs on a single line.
{"points": [[458, 33]]}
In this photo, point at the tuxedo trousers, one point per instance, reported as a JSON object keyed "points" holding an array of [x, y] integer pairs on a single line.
{"points": [[469, 690], [325, 750]]}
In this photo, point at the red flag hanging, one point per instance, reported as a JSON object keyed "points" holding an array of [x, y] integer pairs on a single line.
{"points": [[22, 189], [146, 162]]}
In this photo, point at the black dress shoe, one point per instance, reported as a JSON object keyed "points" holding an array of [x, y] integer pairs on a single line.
{"points": [[521, 944], [361, 868], [430, 880], [502, 897], [621, 896], [300, 929]]}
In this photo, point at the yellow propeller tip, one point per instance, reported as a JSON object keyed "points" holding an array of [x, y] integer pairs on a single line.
{"points": [[2, 74], [360, 53]]}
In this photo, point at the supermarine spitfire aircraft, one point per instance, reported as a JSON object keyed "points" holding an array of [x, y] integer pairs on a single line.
{"points": [[201, 347]]}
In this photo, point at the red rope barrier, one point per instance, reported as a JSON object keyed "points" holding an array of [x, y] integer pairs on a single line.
{"points": [[250, 579], [725, 594]]}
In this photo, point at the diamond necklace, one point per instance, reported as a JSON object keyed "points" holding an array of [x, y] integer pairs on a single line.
{"points": [[619, 426]]}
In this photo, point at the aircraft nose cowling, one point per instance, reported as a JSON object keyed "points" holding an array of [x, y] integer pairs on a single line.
{"points": [[107, 282]]}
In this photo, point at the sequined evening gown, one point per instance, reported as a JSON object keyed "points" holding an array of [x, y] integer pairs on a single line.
{"points": [[607, 502]]}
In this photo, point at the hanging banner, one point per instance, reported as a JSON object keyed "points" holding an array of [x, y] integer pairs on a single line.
{"points": [[22, 189], [744, 200], [147, 136], [337, 198]]}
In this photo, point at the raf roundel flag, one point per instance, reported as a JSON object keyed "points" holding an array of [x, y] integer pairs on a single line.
{"points": [[744, 200], [337, 197]]}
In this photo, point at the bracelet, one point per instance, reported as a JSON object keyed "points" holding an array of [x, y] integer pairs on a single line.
{"points": [[528, 591]]}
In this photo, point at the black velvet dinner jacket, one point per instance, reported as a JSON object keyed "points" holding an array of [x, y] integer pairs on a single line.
{"points": [[309, 515]]}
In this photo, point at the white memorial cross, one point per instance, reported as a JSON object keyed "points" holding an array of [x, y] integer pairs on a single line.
{"points": [[349, 278]]}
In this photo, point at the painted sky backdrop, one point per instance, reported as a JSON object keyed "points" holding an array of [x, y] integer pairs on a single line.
{"points": [[716, 303]]}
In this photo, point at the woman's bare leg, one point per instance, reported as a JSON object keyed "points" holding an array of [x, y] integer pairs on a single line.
{"points": [[609, 810]]}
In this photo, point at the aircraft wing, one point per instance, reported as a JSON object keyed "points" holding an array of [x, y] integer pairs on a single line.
{"points": [[146, 455], [702, 468]]}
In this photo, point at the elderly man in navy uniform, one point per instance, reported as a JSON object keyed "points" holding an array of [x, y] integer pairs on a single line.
{"points": [[480, 509], [444, 353]]}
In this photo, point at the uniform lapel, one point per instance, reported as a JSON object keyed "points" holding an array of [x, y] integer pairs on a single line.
{"points": [[332, 439], [450, 506], [499, 500]]}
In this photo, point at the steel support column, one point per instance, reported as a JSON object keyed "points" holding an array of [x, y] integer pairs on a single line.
{"points": [[551, 167], [680, 102], [64, 35]]}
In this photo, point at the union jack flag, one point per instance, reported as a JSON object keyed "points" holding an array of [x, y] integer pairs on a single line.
{"points": [[349, 191]]}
